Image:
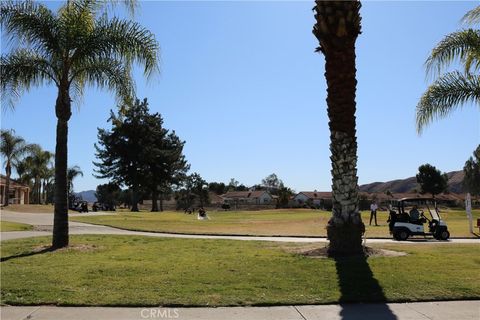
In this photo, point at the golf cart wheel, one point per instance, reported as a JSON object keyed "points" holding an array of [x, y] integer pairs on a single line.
{"points": [[402, 235], [444, 235]]}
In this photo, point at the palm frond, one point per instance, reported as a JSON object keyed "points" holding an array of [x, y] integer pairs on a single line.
{"points": [[106, 73], [449, 92], [77, 89], [458, 46], [22, 69], [99, 7], [11, 145], [73, 172], [472, 16], [123, 40], [472, 61], [31, 24]]}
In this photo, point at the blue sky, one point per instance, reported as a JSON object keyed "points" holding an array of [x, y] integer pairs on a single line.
{"points": [[240, 82]]}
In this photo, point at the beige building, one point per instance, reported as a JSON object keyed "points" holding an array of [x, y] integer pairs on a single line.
{"points": [[247, 197], [18, 192]]}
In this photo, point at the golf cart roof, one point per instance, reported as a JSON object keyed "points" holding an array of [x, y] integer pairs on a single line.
{"points": [[415, 199]]}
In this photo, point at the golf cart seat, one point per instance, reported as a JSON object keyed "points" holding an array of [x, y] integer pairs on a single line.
{"points": [[420, 221]]}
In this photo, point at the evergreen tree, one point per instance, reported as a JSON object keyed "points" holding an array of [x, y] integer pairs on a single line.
{"points": [[217, 187], [109, 194], [431, 180], [139, 153], [472, 173], [194, 190]]}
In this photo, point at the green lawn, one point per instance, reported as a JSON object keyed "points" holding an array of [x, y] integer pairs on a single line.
{"points": [[32, 208], [14, 226], [300, 222], [128, 270]]}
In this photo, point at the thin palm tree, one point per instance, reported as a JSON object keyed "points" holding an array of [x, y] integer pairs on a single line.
{"points": [[72, 173], [23, 171], [48, 179], [38, 164], [71, 48], [450, 90], [12, 148], [337, 27]]}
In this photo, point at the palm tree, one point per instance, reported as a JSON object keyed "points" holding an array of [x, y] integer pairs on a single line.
{"points": [[12, 147], [451, 90], [72, 173], [38, 165], [337, 27], [72, 48], [23, 171], [48, 180]]}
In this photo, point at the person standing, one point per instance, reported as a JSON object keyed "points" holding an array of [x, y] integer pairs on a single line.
{"points": [[373, 212]]}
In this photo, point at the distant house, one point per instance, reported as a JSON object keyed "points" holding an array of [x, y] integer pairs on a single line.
{"points": [[314, 198], [215, 199], [17, 191], [247, 197], [323, 199]]}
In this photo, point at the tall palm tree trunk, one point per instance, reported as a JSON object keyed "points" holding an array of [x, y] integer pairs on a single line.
{"points": [[8, 171], [337, 27], [44, 191], [39, 191], [60, 220], [35, 190]]}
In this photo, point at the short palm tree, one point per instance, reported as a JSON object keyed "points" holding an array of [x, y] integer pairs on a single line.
{"points": [[451, 90], [71, 48], [72, 173], [12, 148], [337, 27]]}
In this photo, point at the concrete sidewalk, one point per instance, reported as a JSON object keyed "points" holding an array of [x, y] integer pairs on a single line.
{"points": [[449, 310]]}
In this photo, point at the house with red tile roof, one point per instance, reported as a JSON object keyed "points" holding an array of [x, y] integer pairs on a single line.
{"points": [[18, 193]]}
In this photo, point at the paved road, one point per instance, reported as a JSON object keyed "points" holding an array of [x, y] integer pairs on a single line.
{"points": [[43, 223], [449, 310]]}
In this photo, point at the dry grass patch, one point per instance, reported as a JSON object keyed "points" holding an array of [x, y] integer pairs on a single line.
{"points": [[284, 222], [32, 208]]}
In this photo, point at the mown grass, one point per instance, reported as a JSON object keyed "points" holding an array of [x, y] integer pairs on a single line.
{"points": [[130, 270], [14, 226], [288, 222], [32, 208]]}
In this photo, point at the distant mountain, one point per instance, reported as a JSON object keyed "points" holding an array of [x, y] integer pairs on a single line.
{"points": [[88, 195], [455, 180]]}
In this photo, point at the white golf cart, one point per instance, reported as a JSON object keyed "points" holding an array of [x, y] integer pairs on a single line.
{"points": [[409, 219]]}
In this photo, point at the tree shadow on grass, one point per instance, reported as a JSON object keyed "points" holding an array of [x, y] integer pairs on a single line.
{"points": [[27, 254], [358, 285]]}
